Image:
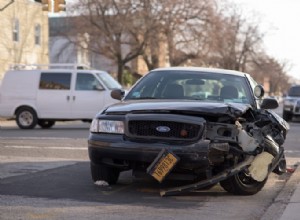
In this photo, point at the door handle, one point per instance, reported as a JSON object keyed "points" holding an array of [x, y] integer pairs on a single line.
{"points": [[74, 97], [68, 98]]}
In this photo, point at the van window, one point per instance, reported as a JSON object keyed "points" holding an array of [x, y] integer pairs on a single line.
{"points": [[109, 81], [55, 81], [85, 81]]}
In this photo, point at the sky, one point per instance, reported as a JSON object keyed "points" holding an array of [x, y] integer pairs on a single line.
{"points": [[280, 22]]}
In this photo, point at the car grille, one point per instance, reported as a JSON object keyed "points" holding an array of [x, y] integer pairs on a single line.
{"points": [[164, 129]]}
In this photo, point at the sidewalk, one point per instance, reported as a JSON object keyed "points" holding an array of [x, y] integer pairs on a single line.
{"points": [[286, 206], [292, 210]]}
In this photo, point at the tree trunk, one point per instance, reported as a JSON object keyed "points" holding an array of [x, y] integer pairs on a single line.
{"points": [[120, 70]]}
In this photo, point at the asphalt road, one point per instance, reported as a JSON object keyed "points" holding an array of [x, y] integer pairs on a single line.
{"points": [[67, 192], [72, 129], [44, 174]]}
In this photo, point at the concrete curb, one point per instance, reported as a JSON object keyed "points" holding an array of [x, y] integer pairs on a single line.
{"points": [[278, 207]]}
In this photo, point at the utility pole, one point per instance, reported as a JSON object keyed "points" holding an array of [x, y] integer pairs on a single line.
{"points": [[5, 6]]}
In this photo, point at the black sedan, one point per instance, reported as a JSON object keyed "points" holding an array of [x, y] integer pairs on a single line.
{"points": [[206, 125]]}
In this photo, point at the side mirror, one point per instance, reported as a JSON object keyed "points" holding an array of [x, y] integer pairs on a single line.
{"points": [[117, 94], [259, 91], [269, 103]]}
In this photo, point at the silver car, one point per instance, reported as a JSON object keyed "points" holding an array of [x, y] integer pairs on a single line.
{"points": [[291, 103]]}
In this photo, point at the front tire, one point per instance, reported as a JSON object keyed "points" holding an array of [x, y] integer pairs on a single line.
{"points": [[242, 184], [26, 118], [104, 173]]}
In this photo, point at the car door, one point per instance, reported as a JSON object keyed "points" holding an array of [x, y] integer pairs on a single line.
{"points": [[88, 96], [54, 95]]}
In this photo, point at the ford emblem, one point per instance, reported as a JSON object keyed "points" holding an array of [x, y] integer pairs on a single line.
{"points": [[163, 129]]}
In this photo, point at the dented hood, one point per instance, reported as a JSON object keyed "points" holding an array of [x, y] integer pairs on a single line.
{"points": [[182, 106]]}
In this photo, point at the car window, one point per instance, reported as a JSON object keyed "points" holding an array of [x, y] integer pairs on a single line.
{"points": [[294, 91], [55, 81], [202, 86], [86, 81], [108, 81]]}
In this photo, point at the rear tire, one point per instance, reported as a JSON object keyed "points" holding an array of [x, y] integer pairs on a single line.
{"points": [[26, 118], [46, 123], [104, 173], [242, 184]]}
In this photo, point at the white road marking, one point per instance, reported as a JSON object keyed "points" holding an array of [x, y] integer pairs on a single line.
{"points": [[39, 138], [291, 151], [52, 148]]}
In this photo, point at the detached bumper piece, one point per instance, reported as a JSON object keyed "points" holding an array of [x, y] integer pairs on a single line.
{"points": [[215, 179]]}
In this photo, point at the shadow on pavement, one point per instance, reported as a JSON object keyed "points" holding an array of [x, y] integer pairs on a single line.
{"points": [[74, 182]]}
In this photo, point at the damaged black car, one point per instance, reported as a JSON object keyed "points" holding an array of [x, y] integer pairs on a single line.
{"points": [[205, 125]]}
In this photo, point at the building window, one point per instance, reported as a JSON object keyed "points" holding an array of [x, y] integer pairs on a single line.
{"points": [[37, 34], [16, 30]]}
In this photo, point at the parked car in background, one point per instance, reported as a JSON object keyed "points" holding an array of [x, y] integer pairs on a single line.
{"points": [[34, 95], [206, 125], [291, 103]]}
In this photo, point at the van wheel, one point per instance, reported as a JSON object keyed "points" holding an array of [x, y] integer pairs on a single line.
{"points": [[105, 173], [45, 123], [26, 118]]}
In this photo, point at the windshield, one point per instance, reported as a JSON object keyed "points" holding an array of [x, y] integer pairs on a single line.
{"points": [[192, 85], [108, 81], [294, 91]]}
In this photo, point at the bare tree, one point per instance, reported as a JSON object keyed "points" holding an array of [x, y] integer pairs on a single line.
{"points": [[234, 42], [124, 30], [272, 70], [117, 29], [204, 31], [185, 25]]}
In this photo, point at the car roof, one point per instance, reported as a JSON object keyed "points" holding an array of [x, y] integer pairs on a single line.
{"points": [[202, 69], [295, 86]]}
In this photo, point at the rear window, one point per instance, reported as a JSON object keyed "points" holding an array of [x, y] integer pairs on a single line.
{"points": [[294, 91], [55, 81]]}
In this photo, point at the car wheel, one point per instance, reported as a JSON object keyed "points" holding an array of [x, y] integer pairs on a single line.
{"points": [[102, 172], [26, 118], [287, 116], [46, 123], [242, 184]]}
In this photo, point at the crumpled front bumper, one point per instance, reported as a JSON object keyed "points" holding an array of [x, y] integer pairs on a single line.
{"points": [[110, 149]]}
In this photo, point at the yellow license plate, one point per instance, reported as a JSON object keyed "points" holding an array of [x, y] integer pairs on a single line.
{"points": [[162, 165]]}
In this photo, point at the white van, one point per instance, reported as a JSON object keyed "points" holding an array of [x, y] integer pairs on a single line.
{"points": [[58, 93]]}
